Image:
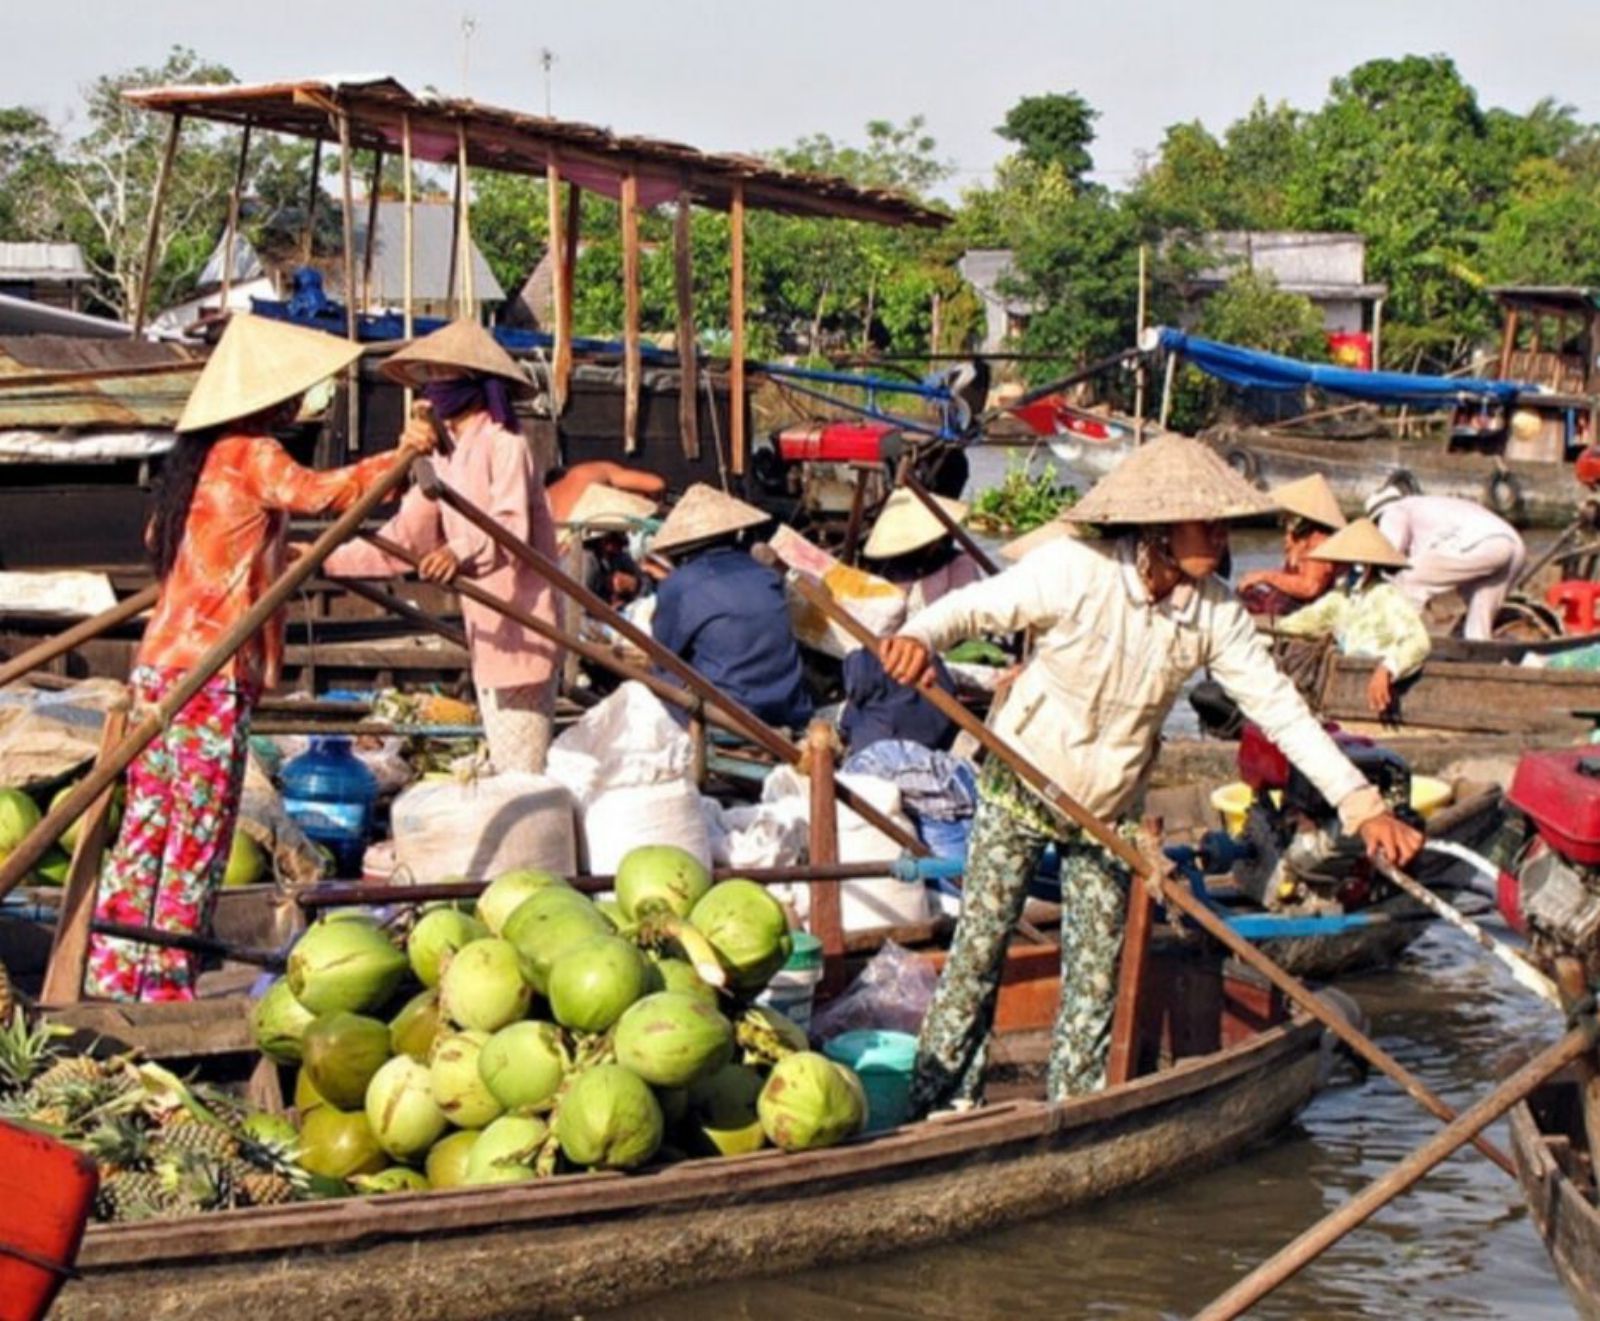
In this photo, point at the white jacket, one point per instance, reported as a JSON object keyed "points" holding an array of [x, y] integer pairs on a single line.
{"points": [[1088, 708]]}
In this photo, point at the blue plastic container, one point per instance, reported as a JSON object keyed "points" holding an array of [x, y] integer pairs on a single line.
{"points": [[330, 794], [884, 1062]]}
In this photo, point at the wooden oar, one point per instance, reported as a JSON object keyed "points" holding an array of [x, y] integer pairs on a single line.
{"points": [[61, 643], [151, 724], [1178, 896], [1378, 1194], [962, 537]]}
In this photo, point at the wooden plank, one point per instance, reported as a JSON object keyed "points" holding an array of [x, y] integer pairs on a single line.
{"points": [[629, 202], [688, 351], [736, 400], [1461, 695], [1123, 1063], [158, 201], [561, 351]]}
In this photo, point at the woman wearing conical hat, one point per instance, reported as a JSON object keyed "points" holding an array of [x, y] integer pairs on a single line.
{"points": [[1122, 623], [1311, 516], [217, 540], [911, 548], [469, 380], [725, 614], [1367, 617]]}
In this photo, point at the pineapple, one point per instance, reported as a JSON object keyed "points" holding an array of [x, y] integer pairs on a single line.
{"points": [[132, 1195], [72, 1069], [24, 1051], [8, 999], [120, 1146], [195, 1181], [266, 1188], [184, 1133]]}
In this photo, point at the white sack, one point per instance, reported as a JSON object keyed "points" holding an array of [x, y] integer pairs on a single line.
{"points": [[480, 827]]}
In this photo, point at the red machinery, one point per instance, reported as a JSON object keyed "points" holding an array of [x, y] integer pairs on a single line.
{"points": [[46, 1192]]}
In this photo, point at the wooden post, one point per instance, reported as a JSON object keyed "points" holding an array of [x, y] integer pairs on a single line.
{"points": [[1166, 388], [372, 231], [409, 263], [697, 743], [37, 656], [827, 914], [352, 376], [453, 306], [556, 254], [688, 352], [1122, 1065], [563, 365], [858, 506], [629, 203], [1140, 371], [158, 201], [313, 196], [736, 437], [69, 949], [469, 276], [231, 234]]}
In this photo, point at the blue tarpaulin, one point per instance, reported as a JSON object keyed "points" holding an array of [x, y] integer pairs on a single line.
{"points": [[1255, 370]]}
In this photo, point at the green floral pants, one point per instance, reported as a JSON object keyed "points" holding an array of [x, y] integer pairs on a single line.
{"points": [[1009, 834]]}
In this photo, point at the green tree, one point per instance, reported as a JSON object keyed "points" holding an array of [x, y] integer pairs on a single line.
{"points": [[30, 176], [1054, 129], [1548, 232]]}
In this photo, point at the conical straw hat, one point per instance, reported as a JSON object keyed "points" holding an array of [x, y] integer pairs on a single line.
{"points": [[906, 524], [1042, 535], [704, 513], [1360, 543], [259, 363], [1311, 498], [462, 346], [603, 508], [1171, 479]]}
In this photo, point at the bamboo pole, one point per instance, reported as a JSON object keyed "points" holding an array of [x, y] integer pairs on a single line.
{"points": [[556, 255], [562, 366], [1176, 895], [469, 276], [370, 246], [736, 437], [231, 234], [45, 652], [1378, 1194], [452, 279], [962, 537], [404, 609], [408, 279], [629, 204], [1141, 370], [150, 725], [352, 375], [688, 350], [152, 235], [1167, 382]]}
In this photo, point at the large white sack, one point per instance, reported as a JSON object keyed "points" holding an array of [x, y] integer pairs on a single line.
{"points": [[480, 827], [618, 820]]}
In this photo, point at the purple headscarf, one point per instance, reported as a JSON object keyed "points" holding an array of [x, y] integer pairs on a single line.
{"points": [[461, 394]]}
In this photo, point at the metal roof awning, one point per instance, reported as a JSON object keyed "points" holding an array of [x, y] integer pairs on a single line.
{"points": [[1556, 297], [508, 140]]}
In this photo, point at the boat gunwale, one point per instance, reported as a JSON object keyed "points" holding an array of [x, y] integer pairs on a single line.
{"points": [[1561, 1214]]}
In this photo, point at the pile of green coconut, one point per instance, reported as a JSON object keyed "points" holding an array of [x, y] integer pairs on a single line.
{"points": [[543, 1032]]}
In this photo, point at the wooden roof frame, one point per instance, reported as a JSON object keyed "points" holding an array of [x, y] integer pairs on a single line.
{"points": [[510, 141]]}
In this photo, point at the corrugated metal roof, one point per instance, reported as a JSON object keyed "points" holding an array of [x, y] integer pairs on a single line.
{"points": [[431, 266], [48, 383], [23, 316], [42, 261]]}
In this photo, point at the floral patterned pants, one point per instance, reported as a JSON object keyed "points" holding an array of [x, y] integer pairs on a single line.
{"points": [[172, 850], [1009, 834]]}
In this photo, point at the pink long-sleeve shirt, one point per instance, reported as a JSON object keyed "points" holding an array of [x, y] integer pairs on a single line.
{"points": [[494, 469]]}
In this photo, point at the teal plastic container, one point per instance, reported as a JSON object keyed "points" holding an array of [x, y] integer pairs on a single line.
{"points": [[884, 1062]]}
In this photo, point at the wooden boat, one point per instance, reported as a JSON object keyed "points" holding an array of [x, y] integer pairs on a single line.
{"points": [[579, 1242], [1550, 1148]]}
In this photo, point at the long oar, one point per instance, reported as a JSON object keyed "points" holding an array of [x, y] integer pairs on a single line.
{"points": [[1176, 895], [109, 767], [1328, 1231], [45, 652], [962, 537]]}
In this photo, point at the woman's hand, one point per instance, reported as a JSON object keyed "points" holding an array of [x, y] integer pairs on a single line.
{"points": [[439, 566], [906, 661], [419, 437], [1252, 578], [1390, 836], [1380, 690]]}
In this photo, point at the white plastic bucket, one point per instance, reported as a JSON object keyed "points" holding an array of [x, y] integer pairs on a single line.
{"points": [[793, 990]]}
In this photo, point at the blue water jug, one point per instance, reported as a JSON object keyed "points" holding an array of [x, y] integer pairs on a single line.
{"points": [[330, 795]]}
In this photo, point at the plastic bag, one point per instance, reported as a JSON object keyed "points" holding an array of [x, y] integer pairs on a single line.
{"points": [[478, 827], [892, 993], [875, 602]]}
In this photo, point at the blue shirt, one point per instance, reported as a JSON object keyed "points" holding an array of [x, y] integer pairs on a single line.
{"points": [[726, 615], [876, 707]]}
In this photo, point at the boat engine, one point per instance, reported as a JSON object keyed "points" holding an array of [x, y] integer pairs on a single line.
{"points": [[1296, 856], [1552, 894]]}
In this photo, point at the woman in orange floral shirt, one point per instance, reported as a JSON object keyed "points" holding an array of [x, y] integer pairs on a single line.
{"points": [[217, 539]]}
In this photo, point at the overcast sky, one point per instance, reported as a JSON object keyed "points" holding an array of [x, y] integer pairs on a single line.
{"points": [[752, 74]]}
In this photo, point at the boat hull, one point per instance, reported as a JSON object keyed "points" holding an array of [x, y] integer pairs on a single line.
{"points": [[1565, 1219]]}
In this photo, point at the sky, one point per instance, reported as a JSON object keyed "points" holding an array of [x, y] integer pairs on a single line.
{"points": [[744, 76]]}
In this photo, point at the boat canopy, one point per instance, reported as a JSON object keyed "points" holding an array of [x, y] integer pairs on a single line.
{"points": [[1255, 370]]}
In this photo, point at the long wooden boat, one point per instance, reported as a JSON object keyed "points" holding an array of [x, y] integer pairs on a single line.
{"points": [[1549, 1146], [575, 1243]]}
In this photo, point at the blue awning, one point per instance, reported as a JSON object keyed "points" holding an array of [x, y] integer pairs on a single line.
{"points": [[1255, 370]]}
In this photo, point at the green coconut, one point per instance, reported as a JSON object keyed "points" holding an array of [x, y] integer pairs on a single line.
{"points": [[340, 1053], [247, 864], [344, 964], [70, 836], [723, 1117], [609, 1119], [747, 928], [306, 1096], [506, 893], [790, 1035], [19, 814], [338, 1144], [545, 927], [660, 874], [669, 974], [436, 937], [415, 1029], [591, 985], [54, 867], [259, 1126], [395, 1179], [446, 1165], [482, 988], [523, 1064], [611, 910], [808, 1103], [405, 1118], [674, 1103], [671, 1038], [458, 1087], [505, 1152], [279, 1022]]}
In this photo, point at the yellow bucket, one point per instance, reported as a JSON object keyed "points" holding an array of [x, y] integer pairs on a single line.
{"points": [[1232, 801]]}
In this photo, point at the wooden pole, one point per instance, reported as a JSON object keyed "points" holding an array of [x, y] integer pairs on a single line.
{"points": [[1574, 984], [827, 914], [1166, 388], [108, 768], [1176, 895], [688, 350], [1378, 1194], [152, 235], [44, 652], [308, 236], [962, 537], [1141, 370], [452, 279], [408, 279], [469, 276], [1123, 1062], [557, 257], [372, 231], [629, 203], [231, 233], [563, 364], [736, 437], [403, 609], [352, 375], [858, 509]]}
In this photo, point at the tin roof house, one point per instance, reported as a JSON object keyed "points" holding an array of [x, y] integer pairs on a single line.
{"points": [[50, 273]]}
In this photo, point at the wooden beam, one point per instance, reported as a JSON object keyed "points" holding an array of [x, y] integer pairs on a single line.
{"points": [[409, 263], [688, 359], [736, 324], [569, 259], [158, 201], [450, 283], [231, 234], [469, 292], [372, 231], [556, 254], [629, 205], [1122, 1063], [352, 375], [827, 913]]}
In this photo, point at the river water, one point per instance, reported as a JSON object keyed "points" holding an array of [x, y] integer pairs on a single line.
{"points": [[1459, 1245]]}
